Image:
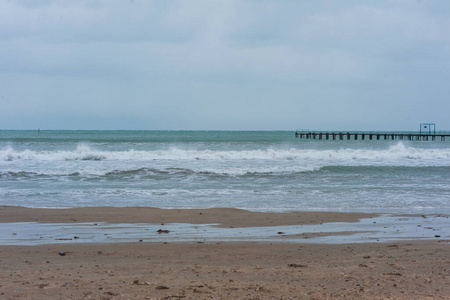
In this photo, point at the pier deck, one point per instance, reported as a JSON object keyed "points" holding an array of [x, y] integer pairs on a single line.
{"points": [[332, 135]]}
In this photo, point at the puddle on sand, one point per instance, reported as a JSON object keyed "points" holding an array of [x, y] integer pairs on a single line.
{"points": [[384, 228]]}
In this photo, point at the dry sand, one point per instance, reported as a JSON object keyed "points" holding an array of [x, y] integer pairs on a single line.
{"points": [[412, 270]]}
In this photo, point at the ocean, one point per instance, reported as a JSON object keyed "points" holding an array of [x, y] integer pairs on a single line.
{"points": [[253, 170]]}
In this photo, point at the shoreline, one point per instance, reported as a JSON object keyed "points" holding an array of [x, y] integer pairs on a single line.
{"points": [[31, 226], [227, 217], [220, 269]]}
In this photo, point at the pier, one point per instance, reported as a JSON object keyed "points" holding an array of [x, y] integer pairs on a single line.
{"points": [[366, 135]]}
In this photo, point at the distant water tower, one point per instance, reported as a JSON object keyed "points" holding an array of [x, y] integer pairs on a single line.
{"points": [[428, 128]]}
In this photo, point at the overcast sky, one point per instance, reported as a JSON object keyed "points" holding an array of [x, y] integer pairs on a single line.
{"points": [[226, 65]]}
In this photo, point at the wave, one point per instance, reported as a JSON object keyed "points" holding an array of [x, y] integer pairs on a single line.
{"points": [[27, 174], [384, 169], [138, 171], [20, 174], [86, 153], [242, 171], [160, 173]]}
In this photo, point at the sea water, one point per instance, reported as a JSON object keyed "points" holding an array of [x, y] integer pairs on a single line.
{"points": [[260, 171]]}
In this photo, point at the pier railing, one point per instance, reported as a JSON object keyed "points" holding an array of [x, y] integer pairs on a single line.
{"points": [[368, 135]]}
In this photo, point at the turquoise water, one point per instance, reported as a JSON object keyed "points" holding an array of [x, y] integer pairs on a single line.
{"points": [[266, 171]]}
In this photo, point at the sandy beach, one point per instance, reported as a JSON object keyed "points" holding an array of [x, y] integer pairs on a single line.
{"points": [[225, 216], [219, 270]]}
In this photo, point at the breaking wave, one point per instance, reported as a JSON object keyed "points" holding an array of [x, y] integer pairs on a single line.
{"points": [[86, 153]]}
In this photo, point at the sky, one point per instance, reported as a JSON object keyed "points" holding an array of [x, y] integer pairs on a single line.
{"points": [[224, 65]]}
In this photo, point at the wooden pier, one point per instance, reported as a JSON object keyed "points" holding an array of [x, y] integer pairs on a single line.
{"points": [[329, 135]]}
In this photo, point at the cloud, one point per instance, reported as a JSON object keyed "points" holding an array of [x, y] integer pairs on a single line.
{"points": [[223, 64]]}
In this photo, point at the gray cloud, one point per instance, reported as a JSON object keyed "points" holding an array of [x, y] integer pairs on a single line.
{"points": [[224, 64]]}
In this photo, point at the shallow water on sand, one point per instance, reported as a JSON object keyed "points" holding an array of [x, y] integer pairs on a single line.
{"points": [[385, 228]]}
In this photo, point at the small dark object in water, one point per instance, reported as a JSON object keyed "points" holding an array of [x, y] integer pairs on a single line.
{"points": [[280, 232], [162, 231], [437, 235]]}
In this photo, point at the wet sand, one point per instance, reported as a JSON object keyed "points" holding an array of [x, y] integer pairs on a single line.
{"points": [[219, 270], [227, 217]]}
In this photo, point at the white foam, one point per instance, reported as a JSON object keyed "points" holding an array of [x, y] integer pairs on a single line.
{"points": [[85, 152], [249, 170], [85, 160]]}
